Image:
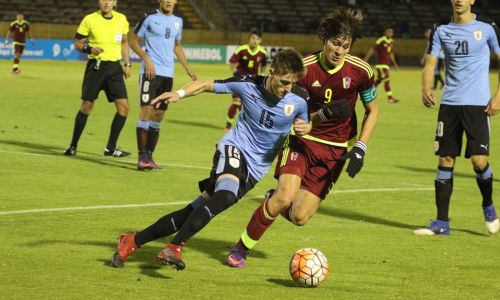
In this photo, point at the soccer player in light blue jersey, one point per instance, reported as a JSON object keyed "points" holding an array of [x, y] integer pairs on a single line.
{"points": [[271, 105], [466, 106], [162, 33]]}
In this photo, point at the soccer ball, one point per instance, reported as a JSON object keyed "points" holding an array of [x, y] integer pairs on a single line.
{"points": [[309, 267]]}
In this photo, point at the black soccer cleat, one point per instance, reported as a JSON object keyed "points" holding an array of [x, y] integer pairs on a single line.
{"points": [[171, 256], [117, 152], [70, 151]]}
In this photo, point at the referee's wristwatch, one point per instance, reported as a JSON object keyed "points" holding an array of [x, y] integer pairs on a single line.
{"points": [[127, 65]]}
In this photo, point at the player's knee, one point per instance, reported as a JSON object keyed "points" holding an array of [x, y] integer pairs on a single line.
{"points": [[283, 200], [479, 162], [87, 107], [300, 219]]}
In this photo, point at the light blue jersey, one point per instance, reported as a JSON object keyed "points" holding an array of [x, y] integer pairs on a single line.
{"points": [[160, 33], [466, 49], [264, 121]]}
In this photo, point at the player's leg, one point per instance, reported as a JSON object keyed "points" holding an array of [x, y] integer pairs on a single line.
{"points": [[163, 84], [231, 170], [476, 124], [18, 51], [387, 87], [170, 223], [231, 112], [448, 145], [142, 129], [116, 92], [86, 108], [380, 76]]}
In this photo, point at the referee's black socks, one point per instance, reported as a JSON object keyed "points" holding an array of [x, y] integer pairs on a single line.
{"points": [[80, 121], [116, 128]]}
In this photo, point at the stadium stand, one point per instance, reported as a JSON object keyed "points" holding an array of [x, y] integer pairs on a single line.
{"points": [[72, 11]]}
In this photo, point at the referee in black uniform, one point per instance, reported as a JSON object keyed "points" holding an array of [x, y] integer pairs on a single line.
{"points": [[103, 36]]}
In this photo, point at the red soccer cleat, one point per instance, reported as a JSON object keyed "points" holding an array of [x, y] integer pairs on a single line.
{"points": [[126, 246], [172, 256]]}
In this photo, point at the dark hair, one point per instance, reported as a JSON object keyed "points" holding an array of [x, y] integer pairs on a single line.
{"points": [[256, 31], [20, 12], [343, 21], [288, 61]]}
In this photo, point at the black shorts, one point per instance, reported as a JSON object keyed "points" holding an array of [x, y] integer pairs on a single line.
{"points": [[108, 77], [453, 121], [233, 162], [150, 89]]}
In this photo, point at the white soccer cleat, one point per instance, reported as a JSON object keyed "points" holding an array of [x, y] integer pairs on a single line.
{"points": [[434, 228], [493, 226]]}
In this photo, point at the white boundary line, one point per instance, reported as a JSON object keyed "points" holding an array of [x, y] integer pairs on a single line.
{"points": [[76, 208]]}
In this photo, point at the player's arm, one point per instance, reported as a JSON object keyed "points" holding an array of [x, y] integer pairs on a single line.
{"points": [[494, 105], [134, 42], [82, 45], [369, 54], [126, 56], [181, 56], [7, 36], [428, 97], [193, 88], [394, 63]]}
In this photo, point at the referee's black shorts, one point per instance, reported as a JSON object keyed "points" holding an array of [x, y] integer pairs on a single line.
{"points": [[108, 77], [454, 121], [150, 89]]}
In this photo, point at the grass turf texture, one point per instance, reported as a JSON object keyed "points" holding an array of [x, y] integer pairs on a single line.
{"points": [[364, 227]]}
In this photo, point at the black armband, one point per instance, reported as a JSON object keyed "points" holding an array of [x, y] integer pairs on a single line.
{"points": [[87, 49]]}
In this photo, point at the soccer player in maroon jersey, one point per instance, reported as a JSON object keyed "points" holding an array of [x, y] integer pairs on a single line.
{"points": [[247, 59], [384, 47], [19, 28], [309, 166]]}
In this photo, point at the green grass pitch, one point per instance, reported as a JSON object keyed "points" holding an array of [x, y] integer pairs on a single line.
{"points": [[364, 227]]}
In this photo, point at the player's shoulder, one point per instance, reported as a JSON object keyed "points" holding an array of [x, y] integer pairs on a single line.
{"points": [[244, 79], [311, 60], [300, 92], [380, 40], [150, 14], [262, 50], [119, 15], [13, 23], [486, 21], [242, 48], [359, 65], [177, 18]]}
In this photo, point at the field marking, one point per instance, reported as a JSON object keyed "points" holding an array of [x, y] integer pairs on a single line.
{"points": [[120, 160], [76, 208]]}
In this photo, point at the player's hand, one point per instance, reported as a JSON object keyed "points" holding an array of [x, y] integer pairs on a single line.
{"points": [[493, 106], [191, 74], [300, 127], [96, 51], [428, 98], [126, 72], [356, 157], [150, 69], [336, 110], [6, 43], [169, 97], [396, 67], [32, 42]]}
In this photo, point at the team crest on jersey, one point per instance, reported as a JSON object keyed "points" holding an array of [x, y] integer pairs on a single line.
{"points": [[294, 156], [289, 109], [346, 82], [478, 35], [177, 26]]}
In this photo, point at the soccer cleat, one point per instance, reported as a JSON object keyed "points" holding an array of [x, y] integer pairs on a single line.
{"points": [[155, 166], [143, 165], [126, 246], [70, 151], [117, 152], [491, 219], [237, 258], [435, 227], [16, 71], [172, 256], [392, 100]]}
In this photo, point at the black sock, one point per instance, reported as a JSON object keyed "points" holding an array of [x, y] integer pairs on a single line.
{"points": [[116, 128], [443, 187], [153, 135], [165, 226], [201, 216], [80, 121], [485, 185], [142, 138]]}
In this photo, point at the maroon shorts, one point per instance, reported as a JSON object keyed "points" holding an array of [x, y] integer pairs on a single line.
{"points": [[18, 48], [318, 165]]}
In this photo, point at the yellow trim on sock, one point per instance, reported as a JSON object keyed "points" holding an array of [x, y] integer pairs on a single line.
{"points": [[266, 213], [247, 240]]}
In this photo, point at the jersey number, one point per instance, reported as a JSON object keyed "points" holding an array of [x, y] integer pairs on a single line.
{"points": [[266, 119], [328, 95], [250, 63], [462, 48], [167, 33]]}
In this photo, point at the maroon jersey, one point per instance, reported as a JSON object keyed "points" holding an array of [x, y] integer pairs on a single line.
{"points": [[384, 48], [248, 61], [351, 77], [19, 30]]}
